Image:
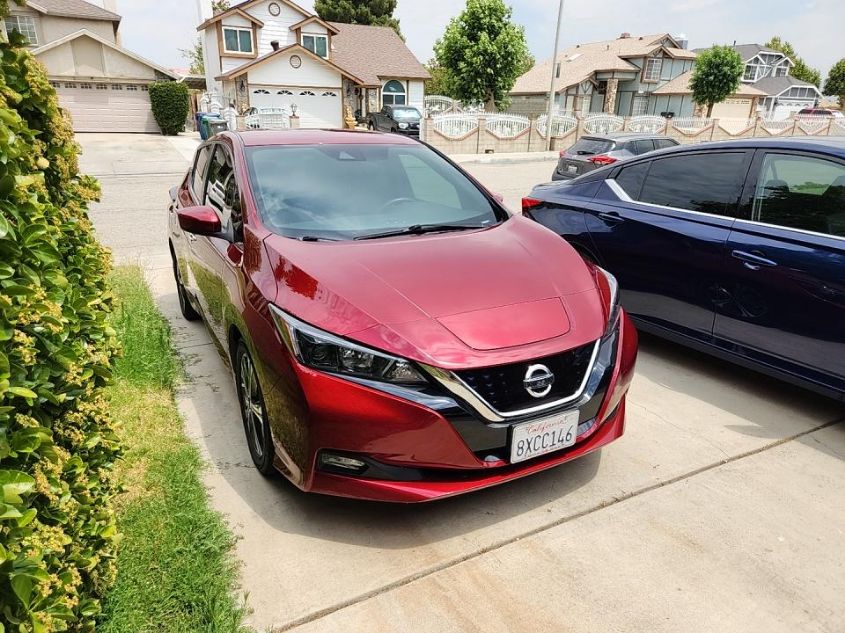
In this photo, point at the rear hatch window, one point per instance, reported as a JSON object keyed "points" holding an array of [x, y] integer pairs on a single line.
{"points": [[590, 147]]}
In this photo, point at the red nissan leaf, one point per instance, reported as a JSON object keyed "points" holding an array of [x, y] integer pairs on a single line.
{"points": [[394, 332]]}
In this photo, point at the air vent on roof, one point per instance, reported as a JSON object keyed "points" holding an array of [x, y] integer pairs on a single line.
{"points": [[572, 58], [624, 36]]}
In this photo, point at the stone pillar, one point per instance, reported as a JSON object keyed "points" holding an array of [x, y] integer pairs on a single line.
{"points": [[610, 96]]}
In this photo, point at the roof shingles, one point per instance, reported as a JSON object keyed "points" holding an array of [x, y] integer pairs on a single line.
{"points": [[74, 9], [580, 62], [374, 53]]}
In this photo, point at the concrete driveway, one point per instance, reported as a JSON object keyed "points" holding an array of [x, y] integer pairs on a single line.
{"points": [[722, 509]]}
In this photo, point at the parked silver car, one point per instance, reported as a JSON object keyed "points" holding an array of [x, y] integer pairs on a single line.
{"points": [[598, 150]]}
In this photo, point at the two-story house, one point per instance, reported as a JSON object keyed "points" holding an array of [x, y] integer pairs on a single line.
{"points": [[274, 53], [767, 89], [101, 84], [615, 76]]}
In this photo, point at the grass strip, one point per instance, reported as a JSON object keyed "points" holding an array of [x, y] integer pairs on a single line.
{"points": [[175, 570]]}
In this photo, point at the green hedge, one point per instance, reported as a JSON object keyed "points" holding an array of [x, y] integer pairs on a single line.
{"points": [[171, 105], [57, 443]]}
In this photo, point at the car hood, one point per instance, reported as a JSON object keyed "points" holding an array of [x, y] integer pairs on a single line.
{"points": [[503, 294]]}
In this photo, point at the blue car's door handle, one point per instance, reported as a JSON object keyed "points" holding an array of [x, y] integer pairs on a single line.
{"points": [[611, 217], [754, 260]]}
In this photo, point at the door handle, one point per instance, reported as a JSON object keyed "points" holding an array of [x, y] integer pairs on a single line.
{"points": [[611, 217], [754, 260]]}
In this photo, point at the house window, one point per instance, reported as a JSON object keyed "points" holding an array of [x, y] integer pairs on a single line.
{"points": [[652, 69], [23, 24], [750, 73], [102, 86], [393, 93], [317, 44], [639, 106], [307, 93], [286, 93], [117, 86], [329, 94], [237, 40], [132, 87]]}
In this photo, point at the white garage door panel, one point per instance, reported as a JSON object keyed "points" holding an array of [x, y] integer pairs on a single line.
{"points": [[316, 107], [108, 110]]}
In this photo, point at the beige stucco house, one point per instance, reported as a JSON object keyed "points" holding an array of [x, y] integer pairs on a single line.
{"points": [[277, 54], [103, 85]]}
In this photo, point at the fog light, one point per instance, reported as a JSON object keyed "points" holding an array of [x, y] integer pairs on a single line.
{"points": [[339, 462]]}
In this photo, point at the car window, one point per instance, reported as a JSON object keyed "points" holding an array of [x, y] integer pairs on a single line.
{"points": [[588, 146], [631, 179], [707, 183], [663, 143], [222, 191], [348, 191], [643, 146], [198, 176], [801, 192]]}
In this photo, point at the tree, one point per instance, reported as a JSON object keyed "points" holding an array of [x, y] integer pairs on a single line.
{"points": [[171, 104], [439, 82], [482, 53], [195, 57], [715, 76], [374, 12], [801, 70], [835, 84]]}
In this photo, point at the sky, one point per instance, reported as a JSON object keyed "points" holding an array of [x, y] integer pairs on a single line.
{"points": [[157, 30]]}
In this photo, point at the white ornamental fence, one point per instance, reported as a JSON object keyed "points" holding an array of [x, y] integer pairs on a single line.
{"points": [[507, 126], [455, 126], [691, 125], [269, 119], [647, 124], [603, 123], [812, 125], [562, 124], [438, 104]]}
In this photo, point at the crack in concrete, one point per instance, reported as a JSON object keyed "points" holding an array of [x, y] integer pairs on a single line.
{"points": [[364, 597]]}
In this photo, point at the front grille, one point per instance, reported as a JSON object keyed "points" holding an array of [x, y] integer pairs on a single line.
{"points": [[504, 390]]}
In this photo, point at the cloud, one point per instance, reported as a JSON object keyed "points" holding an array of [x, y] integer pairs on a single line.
{"points": [[158, 30]]}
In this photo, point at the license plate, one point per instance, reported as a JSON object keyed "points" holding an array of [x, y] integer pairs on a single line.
{"points": [[533, 439], [572, 169]]}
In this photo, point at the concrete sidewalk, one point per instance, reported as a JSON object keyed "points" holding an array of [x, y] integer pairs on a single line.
{"points": [[720, 510]]}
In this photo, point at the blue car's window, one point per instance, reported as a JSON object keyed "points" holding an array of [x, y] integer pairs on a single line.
{"points": [[349, 191], [708, 182], [631, 179], [801, 192]]}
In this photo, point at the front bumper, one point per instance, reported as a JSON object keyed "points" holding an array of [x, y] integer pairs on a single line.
{"points": [[433, 447]]}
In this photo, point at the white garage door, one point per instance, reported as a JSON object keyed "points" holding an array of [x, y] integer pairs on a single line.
{"points": [[112, 107], [732, 108], [316, 107]]}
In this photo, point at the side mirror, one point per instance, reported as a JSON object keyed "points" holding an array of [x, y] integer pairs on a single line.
{"points": [[199, 220]]}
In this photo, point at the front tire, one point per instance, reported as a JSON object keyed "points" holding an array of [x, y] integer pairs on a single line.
{"points": [[185, 306], [253, 411]]}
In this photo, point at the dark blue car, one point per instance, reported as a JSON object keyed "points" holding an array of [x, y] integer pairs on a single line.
{"points": [[735, 248]]}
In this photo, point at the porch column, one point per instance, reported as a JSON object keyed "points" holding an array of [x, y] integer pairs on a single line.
{"points": [[610, 96]]}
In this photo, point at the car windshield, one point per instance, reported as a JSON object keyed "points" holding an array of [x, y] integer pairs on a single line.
{"points": [[406, 114], [344, 192], [590, 146]]}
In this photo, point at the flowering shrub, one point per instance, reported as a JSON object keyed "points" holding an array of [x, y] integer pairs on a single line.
{"points": [[57, 443]]}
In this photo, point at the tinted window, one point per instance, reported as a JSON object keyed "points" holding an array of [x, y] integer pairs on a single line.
{"points": [[708, 183], [198, 177], [222, 192], [663, 143], [801, 192], [631, 179], [348, 191], [590, 146], [642, 146]]}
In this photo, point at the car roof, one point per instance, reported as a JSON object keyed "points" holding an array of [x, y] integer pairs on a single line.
{"points": [[623, 136], [830, 144], [257, 138]]}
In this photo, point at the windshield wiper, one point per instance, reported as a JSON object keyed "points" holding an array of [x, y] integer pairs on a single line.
{"points": [[314, 238], [422, 229]]}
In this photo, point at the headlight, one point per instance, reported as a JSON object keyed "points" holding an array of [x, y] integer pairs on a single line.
{"points": [[609, 289], [325, 352], [403, 126]]}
